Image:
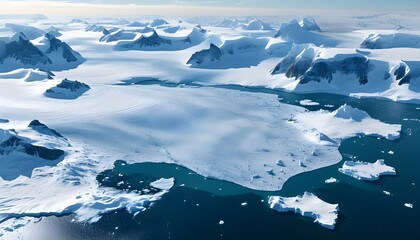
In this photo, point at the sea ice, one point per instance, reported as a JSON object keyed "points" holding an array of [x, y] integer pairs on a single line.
{"points": [[366, 171], [331, 180], [308, 102], [163, 183], [307, 205]]}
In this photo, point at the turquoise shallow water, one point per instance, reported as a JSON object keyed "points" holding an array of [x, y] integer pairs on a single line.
{"points": [[193, 211]]}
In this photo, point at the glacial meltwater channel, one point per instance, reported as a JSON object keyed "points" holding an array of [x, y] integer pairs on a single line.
{"points": [[196, 205]]}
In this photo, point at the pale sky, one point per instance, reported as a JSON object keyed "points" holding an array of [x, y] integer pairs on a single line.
{"points": [[202, 7]]}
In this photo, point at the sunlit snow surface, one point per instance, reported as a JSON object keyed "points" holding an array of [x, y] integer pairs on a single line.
{"points": [[225, 134], [366, 171], [307, 205]]}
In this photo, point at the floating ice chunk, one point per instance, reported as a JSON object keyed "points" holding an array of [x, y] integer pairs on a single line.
{"points": [[366, 171], [163, 183], [409, 205], [307, 205], [308, 102], [347, 122], [244, 204], [221, 222], [387, 193], [391, 152], [331, 180]]}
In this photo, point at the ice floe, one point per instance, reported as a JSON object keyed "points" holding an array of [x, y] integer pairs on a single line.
{"points": [[366, 171], [163, 183], [307, 205]]}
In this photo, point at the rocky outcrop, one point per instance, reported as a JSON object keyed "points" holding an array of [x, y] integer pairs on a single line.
{"points": [[43, 129], [212, 54], [22, 50], [52, 54], [304, 64], [67, 89], [406, 71], [67, 52], [11, 142]]}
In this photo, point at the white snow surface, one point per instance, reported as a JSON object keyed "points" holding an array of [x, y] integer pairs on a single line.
{"points": [[366, 171], [307, 102], [331, 180], [225, 134], [347, 122], [307, 205], [27, 75], [408, 205], [163, 183]]}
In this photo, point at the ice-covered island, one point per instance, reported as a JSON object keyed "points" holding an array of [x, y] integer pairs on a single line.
{"points": [[367, 171], [307, 205]]}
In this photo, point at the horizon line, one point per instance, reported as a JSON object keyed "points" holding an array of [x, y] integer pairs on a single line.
{"points": [[95, 9]]}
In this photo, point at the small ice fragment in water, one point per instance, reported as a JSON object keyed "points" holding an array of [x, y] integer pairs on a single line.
{"points": [[409, 205], [331, 180]]}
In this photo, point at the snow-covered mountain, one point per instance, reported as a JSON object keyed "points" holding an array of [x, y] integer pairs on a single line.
{"points": [[95, 28], [158, 23], [346, 71], [306, 31], [45, 52], [34, 146], [152, 41], [117, 34], [304, 62], [207, 55], [396, 40], [257, 25], [406, 71], [137, 24], [233, 53]]}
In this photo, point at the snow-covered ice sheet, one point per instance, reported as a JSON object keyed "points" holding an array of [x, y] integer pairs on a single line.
{"points": [[307, 205]]}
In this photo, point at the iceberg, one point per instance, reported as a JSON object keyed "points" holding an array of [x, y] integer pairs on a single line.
{"points": [[307, 205], [366, 171]]}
